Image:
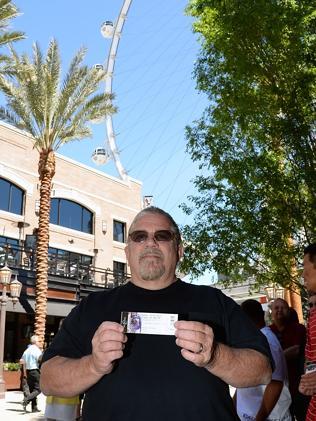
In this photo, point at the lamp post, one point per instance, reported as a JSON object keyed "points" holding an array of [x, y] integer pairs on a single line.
{"points": [[15, 291]]}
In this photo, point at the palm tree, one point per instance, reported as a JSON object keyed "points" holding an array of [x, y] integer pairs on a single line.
{"points": [[53, 114], [8, 11]]}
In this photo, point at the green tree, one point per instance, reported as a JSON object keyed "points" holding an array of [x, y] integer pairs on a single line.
{"points": [[254, 207], [54, 113]]}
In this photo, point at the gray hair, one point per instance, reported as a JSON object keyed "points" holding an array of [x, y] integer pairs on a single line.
{"points": [[33, 339], [154, 210]]}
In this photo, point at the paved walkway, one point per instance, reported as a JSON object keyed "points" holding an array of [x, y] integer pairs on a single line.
{"points": [[12, 410]]}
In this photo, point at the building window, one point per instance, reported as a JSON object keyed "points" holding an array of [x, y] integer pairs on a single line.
{"points": [[9, 251], [66, 263], [119, 270], [71, 215], [11, 197], [119, 229]]}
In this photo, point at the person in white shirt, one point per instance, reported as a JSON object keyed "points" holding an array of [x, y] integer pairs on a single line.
{"points": [[265, 402], [31, 360]]}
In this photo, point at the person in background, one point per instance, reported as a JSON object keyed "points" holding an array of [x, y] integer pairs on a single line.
{"points": [[31, 359], [308, 380], [182, 374], [23, 379], [271, 401], [60, 408], [292, 337], [312, 302], [293, 316]]}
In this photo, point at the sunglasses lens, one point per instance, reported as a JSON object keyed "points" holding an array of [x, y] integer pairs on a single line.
{"points": [[138, 236], [163, 236], [159, 236]]}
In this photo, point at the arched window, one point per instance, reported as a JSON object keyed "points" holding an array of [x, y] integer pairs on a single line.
{"points": [[71, 215], [11, 197]]}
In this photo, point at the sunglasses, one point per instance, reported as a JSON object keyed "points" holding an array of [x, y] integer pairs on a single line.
{"points": [[310, 305], [161, 236]]}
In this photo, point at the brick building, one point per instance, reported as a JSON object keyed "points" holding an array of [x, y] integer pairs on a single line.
{"points": [[90, 215]]}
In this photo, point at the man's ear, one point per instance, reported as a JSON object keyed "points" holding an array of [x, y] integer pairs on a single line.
{"points": [[180, 251]]}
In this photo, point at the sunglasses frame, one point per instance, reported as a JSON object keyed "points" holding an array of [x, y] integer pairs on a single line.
{"points": [[147, 236]]}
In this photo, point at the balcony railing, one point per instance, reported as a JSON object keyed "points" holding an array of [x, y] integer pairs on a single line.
{"points": [[20, 258]]}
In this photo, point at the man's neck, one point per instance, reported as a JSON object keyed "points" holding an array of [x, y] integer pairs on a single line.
{"points": [[153, 284], [280, 324]]}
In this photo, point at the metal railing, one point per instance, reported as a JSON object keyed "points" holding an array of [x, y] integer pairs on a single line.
{"points": [[17, 257]]}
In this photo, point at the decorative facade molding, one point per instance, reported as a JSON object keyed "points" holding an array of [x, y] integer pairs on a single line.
{"points": [[8, 174]]}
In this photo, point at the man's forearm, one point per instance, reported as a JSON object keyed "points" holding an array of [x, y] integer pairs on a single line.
{"points": [[291, 352], [240, 367], [66, 377], [270, 398]]}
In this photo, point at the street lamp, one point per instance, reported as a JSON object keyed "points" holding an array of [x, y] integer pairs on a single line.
{"points": [[15, 291]]}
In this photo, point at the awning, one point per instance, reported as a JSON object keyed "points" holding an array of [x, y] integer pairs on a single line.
{"points": [[54, 308]]}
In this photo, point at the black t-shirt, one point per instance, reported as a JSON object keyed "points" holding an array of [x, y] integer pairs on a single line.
{"points": [[153, 382]]}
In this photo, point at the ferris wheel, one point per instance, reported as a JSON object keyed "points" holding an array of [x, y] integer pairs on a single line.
{"points": [[103, 154]]}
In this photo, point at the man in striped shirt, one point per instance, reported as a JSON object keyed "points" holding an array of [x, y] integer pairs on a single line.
{"points": [[308, 380]]}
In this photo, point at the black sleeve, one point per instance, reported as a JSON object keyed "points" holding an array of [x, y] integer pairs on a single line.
{"points": [[242, 332], [69, 341]]}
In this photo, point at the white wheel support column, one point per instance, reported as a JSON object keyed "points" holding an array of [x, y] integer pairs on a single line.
{"points": [[108, 85]]}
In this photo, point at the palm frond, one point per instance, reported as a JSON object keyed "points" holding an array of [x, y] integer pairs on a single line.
{"points": [[8, 116], [72, 133], [86, 86], [25, 82], [8, 11], [16, 103], [73, 77], [12, 118], [52, 78], [9, 37], [52, 112]]}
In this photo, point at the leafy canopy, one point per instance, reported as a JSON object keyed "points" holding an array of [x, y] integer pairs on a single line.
{"points": [[255, 141]]}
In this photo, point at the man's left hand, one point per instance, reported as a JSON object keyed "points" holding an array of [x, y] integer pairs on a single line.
{"points": [[196, 342], [308, 384]]}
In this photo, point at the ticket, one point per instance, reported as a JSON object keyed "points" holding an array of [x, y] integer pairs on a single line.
{"points": [[148, 323]]}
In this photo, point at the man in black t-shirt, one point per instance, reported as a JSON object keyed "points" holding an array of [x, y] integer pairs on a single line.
{"points": [[156, 375]]}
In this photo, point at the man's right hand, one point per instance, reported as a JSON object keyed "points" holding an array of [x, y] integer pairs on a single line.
{"points": [[67, 377], [107, 346]]}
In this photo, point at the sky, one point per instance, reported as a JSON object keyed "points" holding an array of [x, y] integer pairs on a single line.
{"points": [[153, 82]]}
